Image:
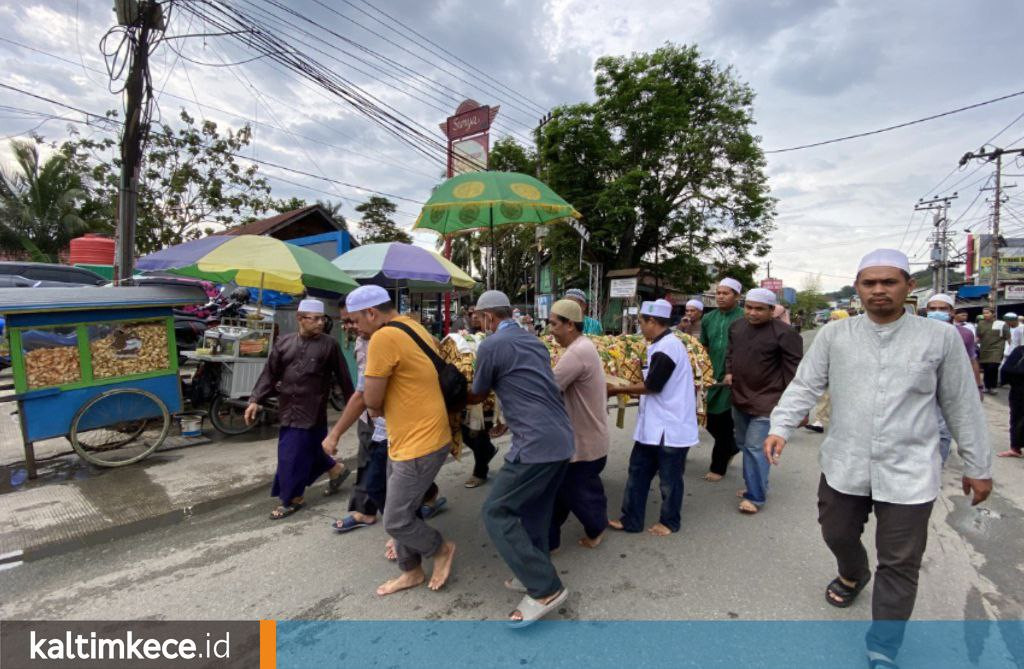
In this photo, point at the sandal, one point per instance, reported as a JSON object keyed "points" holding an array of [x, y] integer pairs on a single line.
{"points": [[532, 610], [334, 485], [843, 595], [474, 482], [285, 511], [348, 523], [434, 508]]}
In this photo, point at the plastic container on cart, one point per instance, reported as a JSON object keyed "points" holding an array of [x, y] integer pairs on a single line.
{"points": [[238, 379]]}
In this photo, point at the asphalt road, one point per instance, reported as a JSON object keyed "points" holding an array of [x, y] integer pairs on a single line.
{"points": [[236, 564]]}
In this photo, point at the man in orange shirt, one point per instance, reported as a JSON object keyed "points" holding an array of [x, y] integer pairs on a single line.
{"points": [[401, 383]]}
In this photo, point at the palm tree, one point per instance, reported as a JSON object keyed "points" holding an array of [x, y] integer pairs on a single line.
{"points": [[40, 204]]}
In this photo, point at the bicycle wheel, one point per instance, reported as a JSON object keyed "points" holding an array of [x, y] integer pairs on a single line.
{"points": [[228, 416], [119, 427]]}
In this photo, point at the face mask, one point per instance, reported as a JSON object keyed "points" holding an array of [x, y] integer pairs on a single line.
{"points": [[939, 316]]}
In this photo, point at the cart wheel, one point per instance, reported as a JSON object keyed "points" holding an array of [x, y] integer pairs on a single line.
{"points": [[336, 398], [103, 435], [229, 417]]}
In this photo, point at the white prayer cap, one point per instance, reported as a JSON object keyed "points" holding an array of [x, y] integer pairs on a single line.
{"points": [[1009, 316], [696, 304], [942, 297], [365, 297], [762, 296], [736, 286], [659, 308], [885, 258], [492, 299], [311, 306]]}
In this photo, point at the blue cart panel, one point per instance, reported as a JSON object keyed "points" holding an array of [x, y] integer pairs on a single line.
{"points": [[48, 413]]}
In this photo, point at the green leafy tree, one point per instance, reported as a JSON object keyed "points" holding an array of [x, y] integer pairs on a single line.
{"points": [[193, 181], [334, 210], [377, 225], [663, 163], [809, 299], [43, 203]]}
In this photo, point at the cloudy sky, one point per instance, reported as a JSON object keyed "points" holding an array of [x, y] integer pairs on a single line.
{"points": [[820, 70]]}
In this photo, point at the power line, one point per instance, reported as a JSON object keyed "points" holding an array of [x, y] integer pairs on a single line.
{"points": [[898, 125]]}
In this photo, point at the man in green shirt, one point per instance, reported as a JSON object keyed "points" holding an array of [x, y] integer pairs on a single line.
{"points": [[591, 326], [714, 335], [992, 338]]}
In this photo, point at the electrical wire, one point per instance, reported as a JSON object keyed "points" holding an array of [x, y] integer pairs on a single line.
{"points": [[897, 126]]}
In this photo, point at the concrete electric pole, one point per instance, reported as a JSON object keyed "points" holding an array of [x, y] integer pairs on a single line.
{"points": [[940, 240]]}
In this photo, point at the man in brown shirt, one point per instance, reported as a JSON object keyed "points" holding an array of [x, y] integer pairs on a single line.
{"points": [[580, 376], [302, 368], [761, 360]]}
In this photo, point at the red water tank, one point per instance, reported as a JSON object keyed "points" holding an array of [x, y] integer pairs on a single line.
{"points": [[92, 249]]}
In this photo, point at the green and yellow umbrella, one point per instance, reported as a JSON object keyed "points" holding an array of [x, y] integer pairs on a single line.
{"points": [[486, 200], [252, 261]]}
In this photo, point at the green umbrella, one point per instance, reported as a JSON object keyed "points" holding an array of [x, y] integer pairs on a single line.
{"points": [[485, 200]]}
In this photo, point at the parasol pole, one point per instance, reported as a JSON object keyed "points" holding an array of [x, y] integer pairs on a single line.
{"points": [[490, 256], [259, 299]]}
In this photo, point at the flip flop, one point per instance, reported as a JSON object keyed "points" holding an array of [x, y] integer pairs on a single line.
{"points": [[515, 585], [533, 610], [285, 511], [334, 485], [431, 510], [347, 524]]}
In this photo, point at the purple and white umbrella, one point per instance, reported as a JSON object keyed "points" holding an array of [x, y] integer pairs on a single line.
{"points": [[397, 265]]}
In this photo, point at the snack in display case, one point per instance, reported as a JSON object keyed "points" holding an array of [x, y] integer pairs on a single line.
{"points": [[124, 349], [51, 356]]}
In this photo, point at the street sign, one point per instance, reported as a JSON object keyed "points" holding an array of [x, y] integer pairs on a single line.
{"points": [[622, 288], [1015, 292]]}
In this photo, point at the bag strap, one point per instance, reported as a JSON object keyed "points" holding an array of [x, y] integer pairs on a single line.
{"points": [[433, 356]]}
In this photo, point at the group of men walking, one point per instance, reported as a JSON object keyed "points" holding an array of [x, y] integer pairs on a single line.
{"points": [[896, 382]]}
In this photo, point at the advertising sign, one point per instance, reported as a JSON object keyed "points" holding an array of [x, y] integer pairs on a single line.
{"points": [[472, 122], [1015, 292], [470, 155], [772, 284]]}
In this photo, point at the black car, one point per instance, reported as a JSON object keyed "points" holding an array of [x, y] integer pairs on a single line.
{"points": [[38, 274]]}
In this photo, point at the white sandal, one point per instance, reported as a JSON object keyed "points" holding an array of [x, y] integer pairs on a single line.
{"points": [[532, 610]]}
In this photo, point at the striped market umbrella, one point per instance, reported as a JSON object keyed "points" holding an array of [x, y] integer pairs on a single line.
{"points": [[251, 261], [395, 265]]}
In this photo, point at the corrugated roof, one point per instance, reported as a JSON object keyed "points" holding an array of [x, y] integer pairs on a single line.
{"points": [[265, 226], [27, 300]]}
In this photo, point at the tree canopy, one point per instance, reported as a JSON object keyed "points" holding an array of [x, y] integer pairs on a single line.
{"points": [[664, 167], [377, 225]]}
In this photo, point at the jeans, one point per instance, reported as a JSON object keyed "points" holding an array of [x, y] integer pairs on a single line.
{"points": [[644, 462], [751, 431]]}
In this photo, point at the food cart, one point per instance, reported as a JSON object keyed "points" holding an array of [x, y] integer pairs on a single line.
{"points": [[97, 365]]}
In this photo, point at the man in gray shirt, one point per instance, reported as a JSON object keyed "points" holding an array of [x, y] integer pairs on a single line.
{"points": [[886, 370], [517, 513]]}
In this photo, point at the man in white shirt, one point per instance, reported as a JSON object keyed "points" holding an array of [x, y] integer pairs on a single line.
{"points": [[886, 370], [666, 425]]}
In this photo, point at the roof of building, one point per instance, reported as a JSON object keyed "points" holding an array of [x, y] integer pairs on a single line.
{"points": [[267, 226]]}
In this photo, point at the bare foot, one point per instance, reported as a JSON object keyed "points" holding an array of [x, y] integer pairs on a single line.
{"points": [[616, 525], [659, 530], [442, 566], [587, 542], [408, 579], [748, 507], [741, 493], [1010, 454], [712, 477], [389, 550]]}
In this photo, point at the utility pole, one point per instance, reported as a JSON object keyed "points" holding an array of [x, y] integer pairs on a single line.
{"points": [[541, 230], [996, 155], [145, 17], [940, 240]]}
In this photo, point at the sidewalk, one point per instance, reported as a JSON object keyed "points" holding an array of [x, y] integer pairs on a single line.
{"points": [[73, 504]]}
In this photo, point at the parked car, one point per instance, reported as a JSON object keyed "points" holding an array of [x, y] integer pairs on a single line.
{"points": [[15, 274]]}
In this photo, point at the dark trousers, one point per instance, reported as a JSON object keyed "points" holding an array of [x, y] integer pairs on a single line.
{"points": [[518, 489], [1016, 417], [479, 441], [721, 427], [900, 540], [644, 462], [990, 374], [581, 493], [370, 489]]}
